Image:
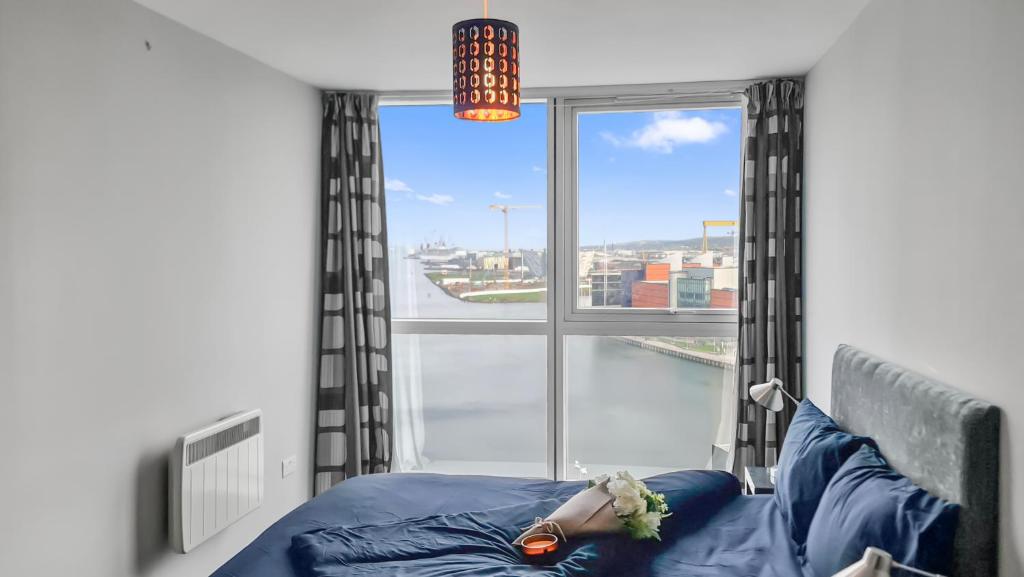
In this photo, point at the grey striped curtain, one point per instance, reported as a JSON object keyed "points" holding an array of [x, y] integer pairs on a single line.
{"points": [[770, 288], [354, 427]]}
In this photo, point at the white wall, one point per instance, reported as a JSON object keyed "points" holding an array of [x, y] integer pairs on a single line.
{"points": [[158, 234], [914, 209]]}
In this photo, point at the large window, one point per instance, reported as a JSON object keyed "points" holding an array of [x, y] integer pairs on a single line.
{"points": [[467, 213], [647, 404], [471, 403], [563, 286], [656, 208]]}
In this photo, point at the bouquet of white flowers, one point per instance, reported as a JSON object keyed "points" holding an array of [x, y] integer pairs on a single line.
{"points": [[619, 504], [640, 509]]}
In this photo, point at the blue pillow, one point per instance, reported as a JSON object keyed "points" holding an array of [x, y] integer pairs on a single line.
{"points": [[813, 450], [868, 504], [692, 496]]}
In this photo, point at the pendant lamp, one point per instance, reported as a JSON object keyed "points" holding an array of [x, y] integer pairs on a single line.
{"points": [[485, 69]]}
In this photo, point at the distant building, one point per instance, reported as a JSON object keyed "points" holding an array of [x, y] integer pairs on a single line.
{"points": [[657, 271], [628, 279], [726, 278], [586, 263], [439, 254], [650, 295], [497, 262], [721, 278], [536, 262], [723, 298], [699, 291], [675, 259], [710, 281], [606, 288], [691, 292], [652, 291], [706, 260]]}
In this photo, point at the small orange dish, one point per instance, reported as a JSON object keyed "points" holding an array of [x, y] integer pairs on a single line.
{"points": [[540, 544]]}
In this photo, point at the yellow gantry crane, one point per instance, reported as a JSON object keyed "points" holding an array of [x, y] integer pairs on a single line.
{"points": [[707, 223], [505, 209]]}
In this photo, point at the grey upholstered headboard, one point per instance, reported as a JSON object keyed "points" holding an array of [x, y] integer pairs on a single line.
{"points": [[943, 440]]}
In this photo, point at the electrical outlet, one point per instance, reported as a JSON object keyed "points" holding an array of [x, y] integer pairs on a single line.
{"points": [[288, 466]]}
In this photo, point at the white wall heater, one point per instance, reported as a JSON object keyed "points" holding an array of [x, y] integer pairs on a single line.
{"points": [[216, 477]]}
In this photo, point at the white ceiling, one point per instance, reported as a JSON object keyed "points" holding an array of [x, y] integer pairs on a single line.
{"points": [[405, 44]]}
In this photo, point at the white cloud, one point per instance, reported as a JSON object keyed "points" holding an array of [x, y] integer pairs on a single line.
{"points": [[536, 168], [395, 185], [667, 131], [729, 192], [502, 195], [438, 199]]}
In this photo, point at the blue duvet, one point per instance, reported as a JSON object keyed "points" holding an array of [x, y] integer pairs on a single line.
{"points": [[715, 532], [477, 544], [461, 544]]}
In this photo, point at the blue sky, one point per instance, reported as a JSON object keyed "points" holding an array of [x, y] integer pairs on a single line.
{"points": [[643, 175]]}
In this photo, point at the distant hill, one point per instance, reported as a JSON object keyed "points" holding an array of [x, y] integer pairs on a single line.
{"points": [[714, 242]]}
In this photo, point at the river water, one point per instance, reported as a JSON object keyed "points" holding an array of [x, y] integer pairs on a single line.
{"points": [[478, 404]]}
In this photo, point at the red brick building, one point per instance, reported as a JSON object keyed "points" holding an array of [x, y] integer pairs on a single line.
{"points": [[650, 294], [723, 298]]}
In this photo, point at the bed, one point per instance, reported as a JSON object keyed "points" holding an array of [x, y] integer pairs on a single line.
{"points": [[943, 440]]}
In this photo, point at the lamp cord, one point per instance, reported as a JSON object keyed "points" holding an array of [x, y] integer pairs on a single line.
{"points": [[913, 570], [791, 397], [485, 9]]}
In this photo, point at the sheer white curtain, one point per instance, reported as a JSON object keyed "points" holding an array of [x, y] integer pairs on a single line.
{"points": [[726, 431], [408, 410]]}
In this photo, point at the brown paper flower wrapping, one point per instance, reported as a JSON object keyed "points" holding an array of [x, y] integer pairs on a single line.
{"points": [[587, 513]]}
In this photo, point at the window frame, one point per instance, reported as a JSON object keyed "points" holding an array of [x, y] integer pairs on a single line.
{"points": [[568, 114], [563, 320]]}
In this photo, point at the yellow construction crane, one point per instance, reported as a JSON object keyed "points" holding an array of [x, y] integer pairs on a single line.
{"points": [[707, 223], [505, 209]]}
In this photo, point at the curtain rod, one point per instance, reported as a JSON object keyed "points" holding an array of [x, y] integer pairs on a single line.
{"points": [[625, 91], [637, 93]]}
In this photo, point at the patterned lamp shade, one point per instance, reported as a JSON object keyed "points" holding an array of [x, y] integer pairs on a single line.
{"points": [[485, 64]]}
